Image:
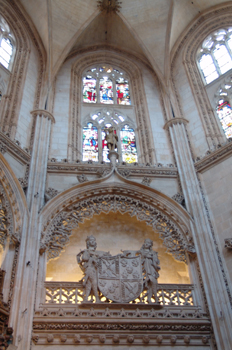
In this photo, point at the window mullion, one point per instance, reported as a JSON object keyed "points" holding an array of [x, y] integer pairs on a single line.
{"points": [[97, 89], [215, 61], [100, 157], [228, 49]]}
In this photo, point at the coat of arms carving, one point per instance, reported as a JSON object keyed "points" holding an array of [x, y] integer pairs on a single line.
{"points": [[121, 278]]}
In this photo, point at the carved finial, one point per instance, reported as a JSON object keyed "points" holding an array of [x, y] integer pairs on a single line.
{"points": [[109, 6]]}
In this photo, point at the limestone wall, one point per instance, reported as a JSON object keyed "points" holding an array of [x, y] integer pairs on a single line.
{"points": [[218, 190], [62, 114], [190, 112], [28, 99]]}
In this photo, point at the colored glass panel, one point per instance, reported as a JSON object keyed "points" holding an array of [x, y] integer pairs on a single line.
{"points": [[129, 151], [224, 112], [89, 89], [123, 93], [106, 91], [104, 148], [90, 143]]}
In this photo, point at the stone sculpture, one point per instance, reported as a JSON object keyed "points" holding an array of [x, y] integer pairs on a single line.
{"points": [[121, 278], [111, 138], [87, 260]]}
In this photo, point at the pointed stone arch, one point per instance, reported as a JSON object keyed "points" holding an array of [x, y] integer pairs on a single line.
{"points": [[64, 212], [187, 46], [25, 34], [137, 89]]}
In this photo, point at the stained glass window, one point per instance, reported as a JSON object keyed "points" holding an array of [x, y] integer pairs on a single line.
{"points": [[6, 44], [107, 85], [224, 112], [106, 90], [90, 143], [129, 151], [215, 54], [123, 94], [89, 89]]}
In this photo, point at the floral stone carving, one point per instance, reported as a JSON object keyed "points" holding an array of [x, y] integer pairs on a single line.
{"points": [[59, 230], [121, 278]]}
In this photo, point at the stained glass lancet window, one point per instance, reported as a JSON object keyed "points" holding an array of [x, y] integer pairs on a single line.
{"points": [[123, 93], [89, 89], [6, 44], [224, 112], [129, 151], [90, 143], [215, 54], [106, 90], [106, 85]]}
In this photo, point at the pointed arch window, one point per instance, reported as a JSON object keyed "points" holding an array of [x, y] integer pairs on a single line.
{"points": [[7, 44], [94, 143], [106, 85], [215, 54]]}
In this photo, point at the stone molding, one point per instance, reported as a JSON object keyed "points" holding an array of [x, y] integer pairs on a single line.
{"points": [[43, 113], [25, 33], [12, 208], [107, 339], [7, 145], [127, 170], [137, 87], [174, 233], [228, 243], [213, 158], [175, 121]]}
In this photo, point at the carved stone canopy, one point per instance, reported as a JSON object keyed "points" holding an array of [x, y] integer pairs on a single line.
{"points": [[55, 235]]}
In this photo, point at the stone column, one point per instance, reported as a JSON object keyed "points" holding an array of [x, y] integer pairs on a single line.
{"points": [[29, 248], [212, 271]]}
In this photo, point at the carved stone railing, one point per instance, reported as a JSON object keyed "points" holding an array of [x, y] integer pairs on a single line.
{"points": [[69, 293]]}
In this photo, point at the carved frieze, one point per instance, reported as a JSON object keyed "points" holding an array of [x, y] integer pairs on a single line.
{"points": [[61, 227], [50, 193], [213, 157], [7, 145]]}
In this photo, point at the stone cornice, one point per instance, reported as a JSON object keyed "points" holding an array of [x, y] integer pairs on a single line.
{"points": [[44, 113], [175, 121], [127, 171], [7, 145], [214, 158]]}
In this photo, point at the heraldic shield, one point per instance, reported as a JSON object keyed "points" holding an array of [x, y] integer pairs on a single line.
{"points": [[120, 278]]}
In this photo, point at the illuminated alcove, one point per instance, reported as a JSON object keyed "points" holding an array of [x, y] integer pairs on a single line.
{"points": [[113, 232]]}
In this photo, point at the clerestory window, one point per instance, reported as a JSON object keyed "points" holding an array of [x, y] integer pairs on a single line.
{"points": [[215, 55], [106, 85], [94, 143], [7, 44]]}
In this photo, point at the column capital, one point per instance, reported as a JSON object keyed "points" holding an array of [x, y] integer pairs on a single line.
{"points": [[175, 121], [44, 113]]}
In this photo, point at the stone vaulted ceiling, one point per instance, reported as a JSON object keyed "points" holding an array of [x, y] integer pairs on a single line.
{"points": [[148, 28]]}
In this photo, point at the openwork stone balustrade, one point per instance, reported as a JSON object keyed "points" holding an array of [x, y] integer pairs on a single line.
{"points": [[72, 293]]}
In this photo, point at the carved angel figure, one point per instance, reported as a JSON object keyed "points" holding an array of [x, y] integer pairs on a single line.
{"points": [[111, 138], [87, 260], [150, 266]]}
